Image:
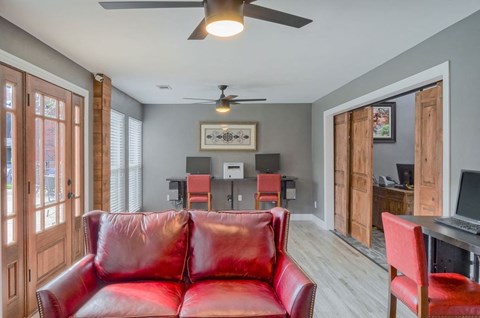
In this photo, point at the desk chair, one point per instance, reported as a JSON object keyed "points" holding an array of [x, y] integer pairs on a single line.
{"points": [[427, 295], [268, 189], [198, 190]]}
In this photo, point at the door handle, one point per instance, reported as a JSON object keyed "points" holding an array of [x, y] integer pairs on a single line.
{"points": [[71, 195]]}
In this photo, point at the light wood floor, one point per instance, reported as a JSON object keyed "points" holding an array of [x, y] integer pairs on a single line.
{"points": [[349, 284]]}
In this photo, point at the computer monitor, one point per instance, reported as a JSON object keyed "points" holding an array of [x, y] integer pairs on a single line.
{"points": [[468, 204], [267, 162], [405, 173], [198, 165]]}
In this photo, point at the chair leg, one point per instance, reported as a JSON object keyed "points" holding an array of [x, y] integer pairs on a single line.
{"points": [[422, 302], [392, 300], [257, 203], [209, 201], [279, 202], [188, 201], [392, 306]]}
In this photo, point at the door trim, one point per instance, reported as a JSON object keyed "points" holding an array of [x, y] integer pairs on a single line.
{"points": [[437, 73], [27, 67]]}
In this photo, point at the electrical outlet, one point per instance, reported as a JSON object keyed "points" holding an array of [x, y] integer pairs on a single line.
{"points": [[168, 197], [315, 204], [240, 197]]}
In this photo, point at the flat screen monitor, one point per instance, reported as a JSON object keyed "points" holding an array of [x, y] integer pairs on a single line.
{"points": [[405, 173], [267, 162], [468, 204], [198, 165]]}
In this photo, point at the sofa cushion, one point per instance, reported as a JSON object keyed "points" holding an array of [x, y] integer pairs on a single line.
{"points": [[231, 298], [231, 245], [141, 246], [137, 299]]}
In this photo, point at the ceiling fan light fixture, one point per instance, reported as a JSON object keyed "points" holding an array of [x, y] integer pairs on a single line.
{"points": [[224, 18], [223, 106], [225, 28], [222, 109]]}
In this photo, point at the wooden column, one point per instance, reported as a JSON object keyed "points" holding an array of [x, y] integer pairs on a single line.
{"points": [[102, 95]]}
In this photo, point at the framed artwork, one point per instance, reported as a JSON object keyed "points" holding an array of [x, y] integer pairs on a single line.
{"points": [[228, 136], [384, 122]]}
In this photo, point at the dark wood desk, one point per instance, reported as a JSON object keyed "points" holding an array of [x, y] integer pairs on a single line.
{"points": [[458, 258]]}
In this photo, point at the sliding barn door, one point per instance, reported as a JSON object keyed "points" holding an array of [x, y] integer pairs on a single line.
{"points": [[429, 151], [12, 212], [342, 172], [361, 166]]}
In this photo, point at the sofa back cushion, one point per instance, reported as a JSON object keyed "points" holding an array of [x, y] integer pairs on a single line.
{"points": [[140, 246], [231, 245]]}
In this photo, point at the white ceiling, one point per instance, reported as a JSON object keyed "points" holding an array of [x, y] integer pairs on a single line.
{"points": [[140, 49]]}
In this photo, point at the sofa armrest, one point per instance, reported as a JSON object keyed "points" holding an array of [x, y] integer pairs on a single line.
{"points": [[63, 296], [294, 288]]}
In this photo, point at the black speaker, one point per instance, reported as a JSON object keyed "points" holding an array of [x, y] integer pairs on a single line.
{"points": [[290, 190], [173, 191]]}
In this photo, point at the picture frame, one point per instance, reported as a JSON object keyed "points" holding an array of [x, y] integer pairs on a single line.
{"points": [[384, 122], [230, 136]]}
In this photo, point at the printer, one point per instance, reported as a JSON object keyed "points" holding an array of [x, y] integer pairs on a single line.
{"points": [[233, 170]]}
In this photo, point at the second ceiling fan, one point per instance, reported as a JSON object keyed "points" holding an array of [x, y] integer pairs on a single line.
{"points": [[222, 17], [222, 104]]}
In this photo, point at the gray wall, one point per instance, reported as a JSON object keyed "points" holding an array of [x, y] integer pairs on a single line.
{"points": [[25, 46], [460, 44], [171, 132], [387, 155], [125, 104]]}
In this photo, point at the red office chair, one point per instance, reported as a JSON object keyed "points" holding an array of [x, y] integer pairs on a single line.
{"points": [[268, 189], [427, 295], [198, 190]]}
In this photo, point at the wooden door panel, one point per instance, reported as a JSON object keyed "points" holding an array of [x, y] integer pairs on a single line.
{"points": [[342, 173], [48, 167], [77, 190], [429, 152], [12, 211], [361, 188]]}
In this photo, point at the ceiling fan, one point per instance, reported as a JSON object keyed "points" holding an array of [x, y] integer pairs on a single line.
{"points": [[223, 102], [222, 17]]}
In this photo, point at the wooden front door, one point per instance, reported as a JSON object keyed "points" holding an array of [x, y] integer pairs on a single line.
{"points": [[361, 172], [342, 172], [50, 184], [429, 151], [12, 211]]}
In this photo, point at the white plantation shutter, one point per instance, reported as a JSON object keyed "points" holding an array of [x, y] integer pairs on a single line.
{"points": [[117, 162], [134, 164]]}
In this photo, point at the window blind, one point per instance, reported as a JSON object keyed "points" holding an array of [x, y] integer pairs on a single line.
{"points": [[117, 162], [134, 164]]}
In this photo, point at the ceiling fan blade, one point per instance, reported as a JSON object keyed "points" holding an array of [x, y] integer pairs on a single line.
{"points": [[210, 100], [200, 32], [113, 5], [262, 13], [230, 97], [249, 100]]}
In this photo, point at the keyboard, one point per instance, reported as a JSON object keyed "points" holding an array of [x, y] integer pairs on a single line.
{"points": [[460, 224]]}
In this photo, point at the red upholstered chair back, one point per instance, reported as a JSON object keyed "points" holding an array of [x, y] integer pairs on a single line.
{"points": [[268, 183], [405, 247], [198, 183]]}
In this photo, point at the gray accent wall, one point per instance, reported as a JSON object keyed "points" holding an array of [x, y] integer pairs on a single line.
{"points": [[387, 155], [125, 104], [459, 44], [171, 133], [25, 46]]}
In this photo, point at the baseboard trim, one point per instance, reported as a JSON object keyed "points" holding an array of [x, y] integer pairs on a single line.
{"points": [[309, 217]]}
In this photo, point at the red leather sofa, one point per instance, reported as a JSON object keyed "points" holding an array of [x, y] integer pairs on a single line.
{"points": [[189, 264]]}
